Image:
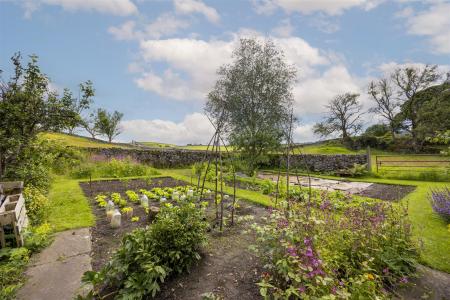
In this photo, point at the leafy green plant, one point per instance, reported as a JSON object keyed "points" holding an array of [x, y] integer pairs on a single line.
{"points": [[116, 198], [12, 267], [148, 256], [132, 196], [36, 204], [101, 200]]}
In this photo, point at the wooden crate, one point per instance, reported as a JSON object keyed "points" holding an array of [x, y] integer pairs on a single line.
{"points": [[13, 212]]}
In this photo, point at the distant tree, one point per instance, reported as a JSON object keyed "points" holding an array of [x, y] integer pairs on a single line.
{"points": [[386, 105], [28, 107], [377, 130], [252, 100], [108, 124], [409, 82], [90, 124], [80, 104], [343, 117]]}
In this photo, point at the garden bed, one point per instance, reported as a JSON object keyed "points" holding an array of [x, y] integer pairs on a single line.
{"points": [[227, 268], [388, 192]]}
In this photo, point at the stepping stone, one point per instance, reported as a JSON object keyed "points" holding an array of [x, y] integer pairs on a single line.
{"points": [[55, 273]]}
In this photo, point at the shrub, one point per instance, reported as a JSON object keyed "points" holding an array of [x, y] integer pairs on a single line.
{"points": [[440, 201], [148, 256], [36, 204], [113, 169], [37, 238], [12, 267], [313, 252]]}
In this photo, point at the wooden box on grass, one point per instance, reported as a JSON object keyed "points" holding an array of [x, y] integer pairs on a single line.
{"points": [[12, 211]]}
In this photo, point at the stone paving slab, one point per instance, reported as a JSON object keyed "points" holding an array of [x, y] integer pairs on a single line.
{"points": [[323, 184], [55, 273]]}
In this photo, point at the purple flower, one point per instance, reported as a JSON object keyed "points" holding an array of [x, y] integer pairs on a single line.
{"points": [[333, 290], [283, 223], [386, 270], [404, 280], [309, 252], [307, 241], [301, 289], [292, 251], [440, 201]]}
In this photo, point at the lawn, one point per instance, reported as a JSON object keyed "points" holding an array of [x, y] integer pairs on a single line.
{"points": [[68, 207]]}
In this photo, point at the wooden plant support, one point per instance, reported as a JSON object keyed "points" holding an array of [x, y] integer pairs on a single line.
{"points": [[214, 156]]}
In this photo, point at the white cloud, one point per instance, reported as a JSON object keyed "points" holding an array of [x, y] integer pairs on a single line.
{"points": [[192, 63], [284, 29], [197, 6], [433, 23], [330, 7], [165, 25], [304, 133], [312, 94], [195, 128], [113, 7]]}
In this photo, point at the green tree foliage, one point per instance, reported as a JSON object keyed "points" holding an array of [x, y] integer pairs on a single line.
{"points": [[377, 130], [27, 107], [108, 124], [344, 113], [433, 110], [80, 104], [252, 100], [410, 82]]}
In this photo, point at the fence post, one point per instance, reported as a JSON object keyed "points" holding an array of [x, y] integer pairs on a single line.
{"points": [[369, 160]]}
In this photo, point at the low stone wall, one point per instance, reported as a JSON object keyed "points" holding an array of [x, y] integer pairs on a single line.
{"points": [[159, 158], [172, 158], [319, 162]]}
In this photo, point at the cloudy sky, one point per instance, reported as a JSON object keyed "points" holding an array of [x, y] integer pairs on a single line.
{"points": [[156, 60]]}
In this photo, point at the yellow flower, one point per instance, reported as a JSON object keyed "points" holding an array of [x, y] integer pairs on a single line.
{"points": [[370, 276]]}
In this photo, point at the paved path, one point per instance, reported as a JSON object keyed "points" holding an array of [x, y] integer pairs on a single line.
{"points": [[55, 273], [323, 184]]}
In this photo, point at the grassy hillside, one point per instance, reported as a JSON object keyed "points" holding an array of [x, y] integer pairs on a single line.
{"points": [[79, 141]]}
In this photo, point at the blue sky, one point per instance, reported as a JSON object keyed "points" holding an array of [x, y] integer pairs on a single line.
{"points": [[155, 60]]}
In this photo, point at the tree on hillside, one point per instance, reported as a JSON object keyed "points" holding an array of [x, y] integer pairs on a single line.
{"points": [[80, 104], [252, 100], [386, 106], [343, 117], [409, 82], [90, 124], [433, 111], [108, 124], [28, 107]]}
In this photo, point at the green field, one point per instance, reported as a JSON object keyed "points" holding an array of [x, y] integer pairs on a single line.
{"points": [[79, 141]]}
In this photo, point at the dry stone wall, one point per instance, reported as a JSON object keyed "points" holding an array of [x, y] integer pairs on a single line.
{"points": [[172, 158]]}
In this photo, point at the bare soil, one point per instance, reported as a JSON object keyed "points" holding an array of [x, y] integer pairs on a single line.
{"points": [[228, 269], [389, 192], [104, 238]]}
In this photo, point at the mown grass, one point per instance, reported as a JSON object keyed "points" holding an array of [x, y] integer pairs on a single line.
{"points": [[68, 207], [79, 141]]}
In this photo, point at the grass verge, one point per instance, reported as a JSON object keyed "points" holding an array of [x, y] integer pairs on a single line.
{"points": [[68, 207]]}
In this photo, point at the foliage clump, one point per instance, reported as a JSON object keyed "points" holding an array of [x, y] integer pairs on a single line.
{"points": [[315, 251], [148, 256], [114, 168], [440, 201], [36, 204]]}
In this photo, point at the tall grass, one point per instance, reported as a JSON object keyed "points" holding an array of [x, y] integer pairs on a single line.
{"points": [[113, 168]]}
